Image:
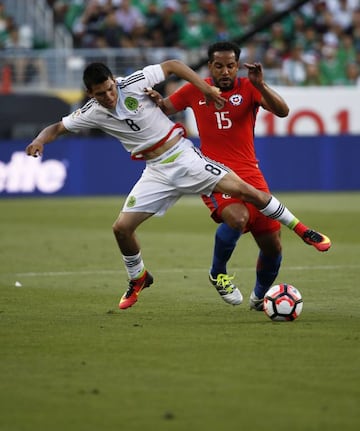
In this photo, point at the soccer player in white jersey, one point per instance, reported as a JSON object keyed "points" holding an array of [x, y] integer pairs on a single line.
{"points": [[174, 167]]}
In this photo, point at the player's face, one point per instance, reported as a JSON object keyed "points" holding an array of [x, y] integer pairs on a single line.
{"points": [[223, 69], [105, 93]]}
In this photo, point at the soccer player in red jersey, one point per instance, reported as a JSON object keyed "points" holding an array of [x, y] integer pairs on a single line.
{"points": [[227, 135]]}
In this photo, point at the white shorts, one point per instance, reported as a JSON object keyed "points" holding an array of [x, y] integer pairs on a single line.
{"points": [[181, 170]]}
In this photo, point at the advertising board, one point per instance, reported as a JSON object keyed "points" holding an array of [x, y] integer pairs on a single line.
{"points": [[317, 147]]}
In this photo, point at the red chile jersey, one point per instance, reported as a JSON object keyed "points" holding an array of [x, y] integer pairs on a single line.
{"points": [[226, 135]]}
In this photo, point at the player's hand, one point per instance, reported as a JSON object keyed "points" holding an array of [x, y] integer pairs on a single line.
{"points": [[255, 73], [214, 95], [35, 149], [155, 96]]}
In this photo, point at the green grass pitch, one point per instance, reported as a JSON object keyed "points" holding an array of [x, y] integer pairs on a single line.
{"points": [[180, 359]]}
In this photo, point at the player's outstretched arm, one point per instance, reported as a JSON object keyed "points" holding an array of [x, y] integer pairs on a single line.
{"points": [[180, 69], [271, 100], [49, 134]]}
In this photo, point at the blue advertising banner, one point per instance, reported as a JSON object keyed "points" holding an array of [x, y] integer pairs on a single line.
{"points": [[69, 166], [312, 163], [100, 166]]}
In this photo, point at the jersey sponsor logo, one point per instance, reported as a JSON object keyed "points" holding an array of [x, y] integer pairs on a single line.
{"points": [[202, 102], [225, 196], [24, 174], [236, 99], [131, 103]]}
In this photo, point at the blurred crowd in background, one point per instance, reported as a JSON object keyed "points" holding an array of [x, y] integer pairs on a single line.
{"points": [[319, 44]]}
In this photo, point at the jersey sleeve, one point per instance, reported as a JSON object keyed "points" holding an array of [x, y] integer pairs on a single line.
{"points": [[77, 121], [154, 74], [181, 97]]}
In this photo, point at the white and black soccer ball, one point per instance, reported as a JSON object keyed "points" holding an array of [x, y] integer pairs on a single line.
{"points": [[283, 302]]}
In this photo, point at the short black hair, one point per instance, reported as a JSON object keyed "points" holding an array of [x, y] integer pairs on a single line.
{"points": [[223, 46], [96, 73]]}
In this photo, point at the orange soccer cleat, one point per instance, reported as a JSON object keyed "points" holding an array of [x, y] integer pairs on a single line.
{"points": [[135, 287], [316, 239]]}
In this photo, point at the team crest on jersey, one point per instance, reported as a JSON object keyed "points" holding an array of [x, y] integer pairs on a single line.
{"points": [[131, 103], [236, 99], [131, 201]]}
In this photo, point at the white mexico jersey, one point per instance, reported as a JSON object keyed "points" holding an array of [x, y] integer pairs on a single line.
{"points": [[136, 122]]}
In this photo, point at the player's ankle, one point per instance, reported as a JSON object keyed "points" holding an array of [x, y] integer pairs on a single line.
{"points": [[300, 228]]}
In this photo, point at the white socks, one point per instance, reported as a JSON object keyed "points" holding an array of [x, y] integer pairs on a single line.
{"points": [[134, 266], [277, 211]]}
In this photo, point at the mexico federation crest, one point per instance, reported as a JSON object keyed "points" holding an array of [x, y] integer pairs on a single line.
{"points": [[235, 99], [131, 103], [131, 201]]}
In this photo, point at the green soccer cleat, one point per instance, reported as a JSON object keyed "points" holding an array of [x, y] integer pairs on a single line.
{"points": [[226, 289]]}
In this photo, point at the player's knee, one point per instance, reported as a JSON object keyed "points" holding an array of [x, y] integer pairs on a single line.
{"points": [[119, 228], [239, 224], [238, 221], [115, 227]]}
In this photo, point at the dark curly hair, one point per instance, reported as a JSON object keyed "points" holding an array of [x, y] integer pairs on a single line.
{"points": [[223, 46]]}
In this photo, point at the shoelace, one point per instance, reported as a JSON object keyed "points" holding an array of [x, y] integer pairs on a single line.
{"points": [[313, 236], [258, 301], [224, 281], [130, 290]]}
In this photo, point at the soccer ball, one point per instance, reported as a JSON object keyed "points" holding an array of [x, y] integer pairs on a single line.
{"points": [[283, 302]]}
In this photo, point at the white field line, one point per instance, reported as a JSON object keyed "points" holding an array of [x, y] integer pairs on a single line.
{"points": [[177, 270]]}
